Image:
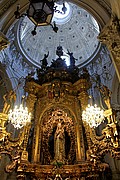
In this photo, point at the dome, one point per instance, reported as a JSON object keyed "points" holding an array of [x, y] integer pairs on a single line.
{"points": [[77, 33]]}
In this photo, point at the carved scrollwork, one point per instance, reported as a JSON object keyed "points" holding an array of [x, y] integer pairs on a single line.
{"points": [[14, 156], [100, 145], [31, 99], [3, 41], [31, 87], [6, 6], [13, 147], [73, 172], [11, 167], [110, 36]]}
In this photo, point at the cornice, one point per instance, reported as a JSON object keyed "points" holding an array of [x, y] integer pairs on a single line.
{"points": [[6, 6], [9, 3], [104, 5]]}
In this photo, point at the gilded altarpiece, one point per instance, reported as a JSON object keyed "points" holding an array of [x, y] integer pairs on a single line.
{"points": [[57, 105], [57, 145]]}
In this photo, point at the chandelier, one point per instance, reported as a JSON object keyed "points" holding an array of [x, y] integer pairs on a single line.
{"points": [[41, 12], [19, 116], [93, 115]]}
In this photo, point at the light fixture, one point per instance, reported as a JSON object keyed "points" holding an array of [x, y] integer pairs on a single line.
{"points": [[93, 115], [19, 116], [40, 12]]}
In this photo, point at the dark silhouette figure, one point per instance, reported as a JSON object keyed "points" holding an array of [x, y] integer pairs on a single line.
{"points": [[44, 61], [85, 74], [72, 59], [59, 51]]}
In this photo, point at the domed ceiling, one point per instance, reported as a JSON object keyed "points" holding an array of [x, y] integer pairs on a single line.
{"points": [[77, 33]]}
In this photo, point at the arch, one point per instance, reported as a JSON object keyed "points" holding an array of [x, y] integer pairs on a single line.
{"points": [[48, 122], [55, 116]]}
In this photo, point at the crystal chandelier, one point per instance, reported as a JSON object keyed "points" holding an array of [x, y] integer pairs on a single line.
{"points": [[19, 116], [93, 115]]}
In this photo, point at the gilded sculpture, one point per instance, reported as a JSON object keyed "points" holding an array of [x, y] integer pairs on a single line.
{"points": [[3, 41]]}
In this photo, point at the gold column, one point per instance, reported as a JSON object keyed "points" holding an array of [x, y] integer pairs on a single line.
{"points": [[30, 102], [110, 36], [83, 94], [82, 85], [80, 146], [3, 119], [83, 98], [31, 99], [32, 88]]}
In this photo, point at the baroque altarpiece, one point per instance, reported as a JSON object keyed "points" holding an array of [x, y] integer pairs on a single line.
{"points": [[57, 144]]}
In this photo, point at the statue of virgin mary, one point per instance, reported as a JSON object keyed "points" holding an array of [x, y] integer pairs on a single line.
{"points": [[59, 143]]}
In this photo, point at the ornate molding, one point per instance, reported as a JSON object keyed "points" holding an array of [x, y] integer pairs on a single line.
{"points": [[110, 36], [100, 145], [75, 172], [6, 6], [105, 6], [49, 121], [3, 41]]}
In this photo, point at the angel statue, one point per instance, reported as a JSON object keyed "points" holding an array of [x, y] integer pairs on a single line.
{"points": [[44, 61], [72, 59]]}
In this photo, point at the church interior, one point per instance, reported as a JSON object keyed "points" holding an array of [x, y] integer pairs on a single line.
{"points": [[59, 89]]}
